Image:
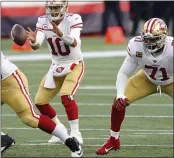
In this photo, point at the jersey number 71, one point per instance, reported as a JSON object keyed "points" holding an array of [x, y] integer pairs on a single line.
{"points": [[154, 71]]}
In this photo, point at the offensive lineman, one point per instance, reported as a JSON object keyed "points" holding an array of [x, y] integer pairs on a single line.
{"points": [[153, 53], [61, 30], [15, 93]]}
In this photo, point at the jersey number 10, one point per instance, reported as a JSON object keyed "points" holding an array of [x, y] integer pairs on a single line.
{"points": [[58, 47], [154, 71]]}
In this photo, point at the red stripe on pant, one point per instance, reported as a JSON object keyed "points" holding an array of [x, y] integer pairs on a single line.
{"points": [[78, 80]]}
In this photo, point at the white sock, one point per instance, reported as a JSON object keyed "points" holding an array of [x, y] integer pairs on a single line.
{"points": [[115, 134], [56, 120], [2, 133], [74, 125], [59, 132]]}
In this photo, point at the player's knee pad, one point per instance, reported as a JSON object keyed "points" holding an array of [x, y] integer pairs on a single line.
{"points": [[28, 119]]}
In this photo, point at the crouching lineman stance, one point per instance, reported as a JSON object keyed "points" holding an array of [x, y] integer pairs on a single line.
{"points": [[62, 33], [6, 142], [153, 53], [15, 93]]}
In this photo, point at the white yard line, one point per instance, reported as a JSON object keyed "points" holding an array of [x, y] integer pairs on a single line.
{"points": [[94, 129], [105, 116], [103, 94], [96, 145], [109, 104], [94, 54], [153, 133], [99, 87]]}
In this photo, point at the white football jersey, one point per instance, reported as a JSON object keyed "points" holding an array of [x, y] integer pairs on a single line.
{"points": [[7, 68], [61, 52], [159, 70]]}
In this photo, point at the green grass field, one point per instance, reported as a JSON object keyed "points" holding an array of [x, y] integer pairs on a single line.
{"points": [[147, 130]]}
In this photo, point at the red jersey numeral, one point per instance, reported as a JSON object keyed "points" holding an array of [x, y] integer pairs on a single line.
{"points": [[173, 43], [154, 71], [59, 47]]}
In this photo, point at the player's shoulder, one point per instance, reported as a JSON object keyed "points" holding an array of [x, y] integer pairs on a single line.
{"points": [[135, 41], [169, 41], [73, 17], [42, 19], [135, 45], [43, 22], [169, 45], [74, 20]]}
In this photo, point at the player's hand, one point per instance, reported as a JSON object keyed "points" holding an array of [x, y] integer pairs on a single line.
{"points": [[31, 35], [120, 103], [56, 30]]}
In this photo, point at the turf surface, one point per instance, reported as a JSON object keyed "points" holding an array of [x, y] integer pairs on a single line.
{"points": [[147, 130]]}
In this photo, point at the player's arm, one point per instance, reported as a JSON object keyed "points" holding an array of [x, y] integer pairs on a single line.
{"points": [[73, 37], [128, 67]]}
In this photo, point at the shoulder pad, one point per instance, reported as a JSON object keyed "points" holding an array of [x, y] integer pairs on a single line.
{"points": [[75, 20], [43, 23]]}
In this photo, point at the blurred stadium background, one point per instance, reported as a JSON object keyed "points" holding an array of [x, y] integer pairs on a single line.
{"points": [[148, 128]]}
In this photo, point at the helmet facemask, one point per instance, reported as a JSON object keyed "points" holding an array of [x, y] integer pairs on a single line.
{"points": [[153, 43], [56, 10]]}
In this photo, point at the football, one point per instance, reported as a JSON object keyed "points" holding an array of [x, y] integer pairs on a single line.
{"points": [[18, 34]]}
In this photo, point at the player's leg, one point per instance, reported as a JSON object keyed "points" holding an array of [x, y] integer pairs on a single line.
{"points": [[68, 90], [168, 89], [16, 86], [6, 142], [42, 99], [138, 86]]}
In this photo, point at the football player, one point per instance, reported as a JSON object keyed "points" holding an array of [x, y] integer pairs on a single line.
{"points": [[15, 93], [153, 53], [6, 142], [61, 30]]}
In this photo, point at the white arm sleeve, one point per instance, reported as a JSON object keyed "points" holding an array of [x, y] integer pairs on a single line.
{"points": [[40, 37], [75, 33], [127, 68]]}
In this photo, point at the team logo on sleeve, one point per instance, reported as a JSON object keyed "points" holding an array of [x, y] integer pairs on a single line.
{"points": [[139, 54]]}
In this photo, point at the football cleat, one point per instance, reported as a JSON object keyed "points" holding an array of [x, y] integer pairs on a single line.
{"points": [[6, 143], [74, 146], [77, 135], [111, 144]]}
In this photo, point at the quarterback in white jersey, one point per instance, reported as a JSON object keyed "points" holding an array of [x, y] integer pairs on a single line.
{"points": [[152, 52], [61, 30]]}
